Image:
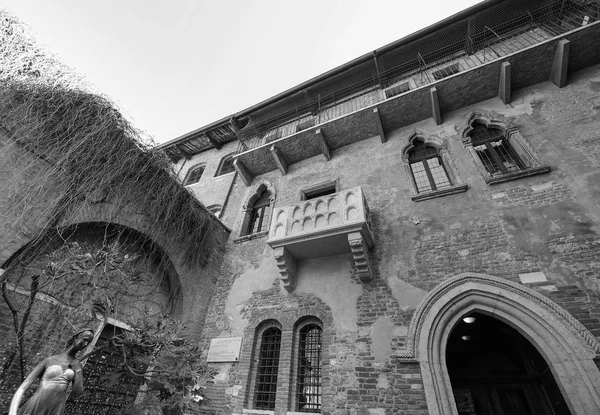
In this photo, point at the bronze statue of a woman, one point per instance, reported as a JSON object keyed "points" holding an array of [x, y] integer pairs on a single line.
{"points": [[56, 373]]}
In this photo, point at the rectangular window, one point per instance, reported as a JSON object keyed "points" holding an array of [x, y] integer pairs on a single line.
{"points": [[430, 175], [498, 158], [438, 174], [258, 220], [319, 190], [420, 175]]}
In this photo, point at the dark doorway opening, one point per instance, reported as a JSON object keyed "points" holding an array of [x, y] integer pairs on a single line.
{"points": [[494, 370]]}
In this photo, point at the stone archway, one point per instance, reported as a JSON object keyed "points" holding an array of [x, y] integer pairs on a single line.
{"points": [[567, 346]]}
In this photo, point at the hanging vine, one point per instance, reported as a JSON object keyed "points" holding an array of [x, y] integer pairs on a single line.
{"points": [[91, 153]]}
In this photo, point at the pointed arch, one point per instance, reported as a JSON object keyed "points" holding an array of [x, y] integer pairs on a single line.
{"points": [[498, 149], [486, 119], [567, 346], [257, 211], [429, 167]]}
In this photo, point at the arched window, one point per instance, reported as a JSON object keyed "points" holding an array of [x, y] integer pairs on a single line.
{"points": [[498, 150], [267, 369], [427, 167], [226, 165], [258, 214], [309, 380], [194, 174], [494, 150]]}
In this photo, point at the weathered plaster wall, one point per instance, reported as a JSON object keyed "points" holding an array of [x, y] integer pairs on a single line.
{"points": [[210, 190], [547, 223]]}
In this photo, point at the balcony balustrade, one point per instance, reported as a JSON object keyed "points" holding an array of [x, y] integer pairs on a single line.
{"points": [[324, 226]]}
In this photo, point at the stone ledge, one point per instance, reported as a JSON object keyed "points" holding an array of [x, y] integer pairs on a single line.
{"points": [[439, 193], [257, 412], [518, 174], [250, 237]]}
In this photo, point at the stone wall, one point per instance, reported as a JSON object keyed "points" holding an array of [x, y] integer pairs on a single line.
{"points": [[546, 224]]}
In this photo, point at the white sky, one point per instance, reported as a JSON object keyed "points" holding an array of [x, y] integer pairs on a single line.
{"points": [[174, 66]]}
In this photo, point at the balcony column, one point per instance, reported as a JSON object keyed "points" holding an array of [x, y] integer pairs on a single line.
{"points": [[558, 75], [361, 257], [287, 267]]}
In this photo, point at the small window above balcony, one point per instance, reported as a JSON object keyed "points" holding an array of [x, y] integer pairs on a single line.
{"points": [[320, 189]]}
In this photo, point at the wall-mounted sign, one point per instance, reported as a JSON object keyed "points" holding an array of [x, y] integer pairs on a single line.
{"points": [[224, 350]]}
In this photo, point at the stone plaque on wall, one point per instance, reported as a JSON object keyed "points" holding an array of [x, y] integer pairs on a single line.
{"points": [[224, 350]]}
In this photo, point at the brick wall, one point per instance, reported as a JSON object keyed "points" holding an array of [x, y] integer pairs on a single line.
{"points": [[547, 223]]}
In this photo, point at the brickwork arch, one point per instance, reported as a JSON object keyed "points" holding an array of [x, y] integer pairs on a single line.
{"points": [[107, 214], [427, 139], [289, 321], [568, 348]]}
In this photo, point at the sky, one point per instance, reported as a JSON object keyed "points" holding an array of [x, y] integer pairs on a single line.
{"points": [[175, 66]]}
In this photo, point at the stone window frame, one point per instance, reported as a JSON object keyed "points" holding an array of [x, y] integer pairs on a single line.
{"points": [[568, 348], [457, 184], [533, 162], [290, 322], [193, 169], [253, 195]]}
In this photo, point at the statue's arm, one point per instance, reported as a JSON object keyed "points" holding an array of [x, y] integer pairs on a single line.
{"points": [[37, 372], [77, 380]]}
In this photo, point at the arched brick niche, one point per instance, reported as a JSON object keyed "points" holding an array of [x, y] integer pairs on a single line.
{"points": [[290, 323], [196, 282], [567, 346], [150, 282]]}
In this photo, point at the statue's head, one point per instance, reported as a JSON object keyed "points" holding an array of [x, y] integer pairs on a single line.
{"points": [[81, 338]]}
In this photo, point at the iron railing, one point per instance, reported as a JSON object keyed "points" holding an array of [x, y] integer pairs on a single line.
{"points": [[503, 29]]}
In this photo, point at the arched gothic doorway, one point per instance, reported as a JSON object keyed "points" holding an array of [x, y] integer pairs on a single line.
{"points": [[494, 370], [567, 347]]}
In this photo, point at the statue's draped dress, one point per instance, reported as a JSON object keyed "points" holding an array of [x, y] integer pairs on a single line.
{"points": [[51, 395]]}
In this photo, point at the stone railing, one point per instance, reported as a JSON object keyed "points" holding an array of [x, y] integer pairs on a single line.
{"points": [[327, 225]]}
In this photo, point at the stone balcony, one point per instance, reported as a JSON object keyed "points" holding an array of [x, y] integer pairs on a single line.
{"points": [[324, 226]]}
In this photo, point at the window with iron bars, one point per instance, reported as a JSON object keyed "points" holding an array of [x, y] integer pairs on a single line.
{"points": [[494, 150], [308, 389], [268, 368], [259, 214], [427, 168]]}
